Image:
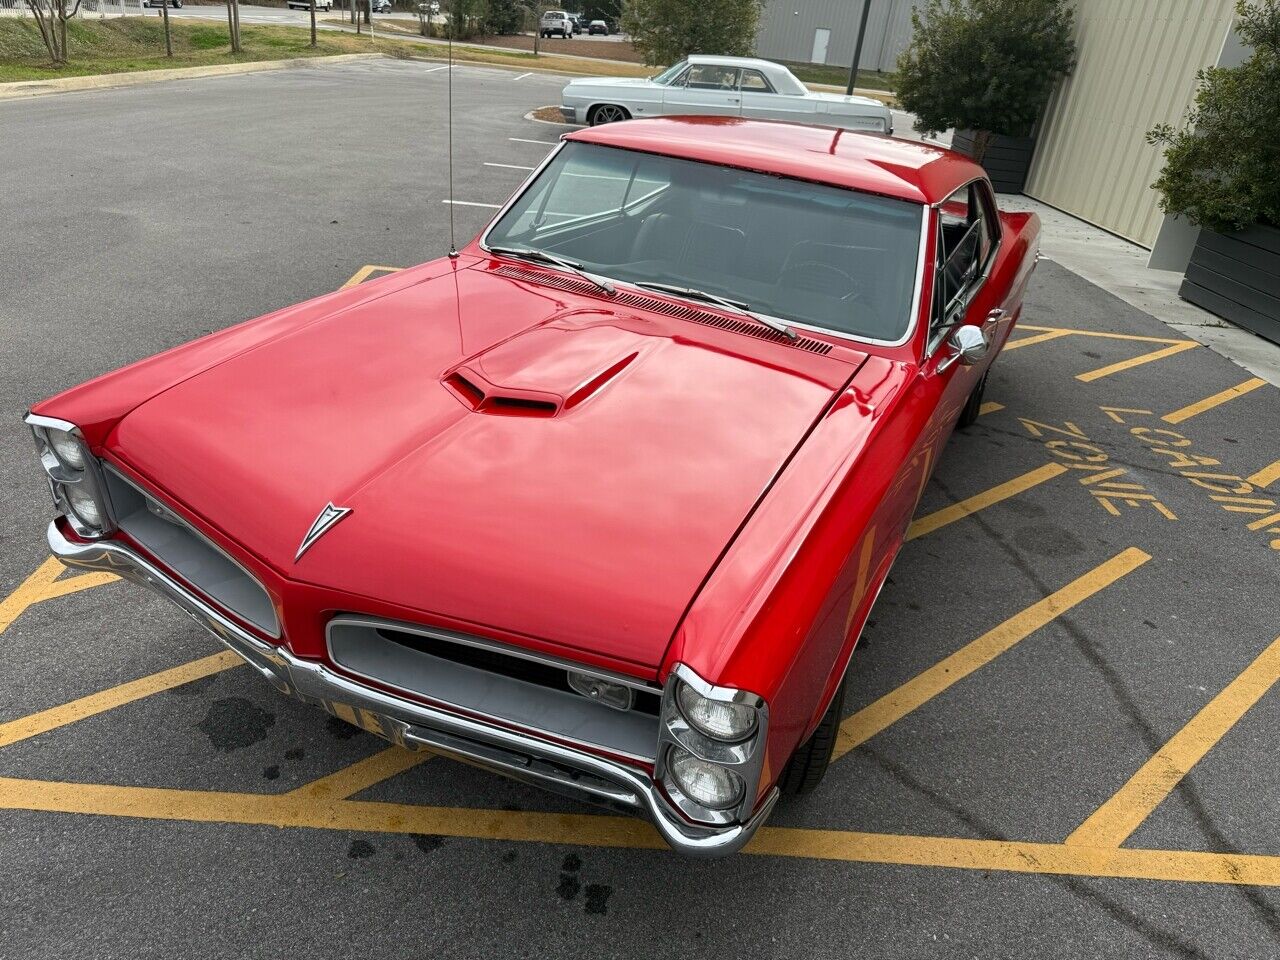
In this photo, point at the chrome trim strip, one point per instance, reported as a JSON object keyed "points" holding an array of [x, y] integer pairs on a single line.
{"points": [[418, 726], [912, 320]]}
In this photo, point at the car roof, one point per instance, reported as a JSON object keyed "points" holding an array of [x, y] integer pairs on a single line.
{"points": [[905, 169], [735, 61]]}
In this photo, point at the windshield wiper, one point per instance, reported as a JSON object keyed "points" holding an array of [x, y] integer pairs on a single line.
{"points": [[541, 256], [735, 305]]}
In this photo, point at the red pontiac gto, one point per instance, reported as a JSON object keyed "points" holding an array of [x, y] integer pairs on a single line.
{"points": [[601, 502]]}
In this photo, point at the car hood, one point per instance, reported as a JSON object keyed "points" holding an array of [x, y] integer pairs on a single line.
{"points": [[514, 457]]}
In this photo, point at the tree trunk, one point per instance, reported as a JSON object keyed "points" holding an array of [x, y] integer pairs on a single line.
{"points": [[62, 30], [313, 23], [235, 10], [168, 40]]}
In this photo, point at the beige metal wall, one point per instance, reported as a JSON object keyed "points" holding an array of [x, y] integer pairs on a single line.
{"points": [[1137, 61]]}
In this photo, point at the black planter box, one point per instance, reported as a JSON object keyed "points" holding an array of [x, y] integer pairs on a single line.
{"points": [[1006, 161], [1237, 277]]}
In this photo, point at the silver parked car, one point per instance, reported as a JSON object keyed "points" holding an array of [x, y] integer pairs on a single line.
{"points": [[719, 86]]}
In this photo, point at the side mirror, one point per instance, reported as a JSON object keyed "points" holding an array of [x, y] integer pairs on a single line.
{"points": [[970, 345]]}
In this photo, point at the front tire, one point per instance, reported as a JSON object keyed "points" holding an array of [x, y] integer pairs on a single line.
{"points": [[808, 765], [607, 113], [972, 407]]}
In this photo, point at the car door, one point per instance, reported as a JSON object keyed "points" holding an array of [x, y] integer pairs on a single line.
{"points": [[761, 102], [704, 89], [967, 242]]}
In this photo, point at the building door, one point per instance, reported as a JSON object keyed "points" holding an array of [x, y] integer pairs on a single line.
{"points": [[821, 40]]}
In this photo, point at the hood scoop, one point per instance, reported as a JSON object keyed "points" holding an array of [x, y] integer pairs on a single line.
{"points": [[642, 301], [544, 371]]}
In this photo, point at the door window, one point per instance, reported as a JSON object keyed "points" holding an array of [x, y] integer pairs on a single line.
{"points": [[967, 233], [753, 81], [711, 76]]}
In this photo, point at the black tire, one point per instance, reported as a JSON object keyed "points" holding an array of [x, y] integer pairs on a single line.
{"points": [[969, 415], [808, 765], [607, 113]]}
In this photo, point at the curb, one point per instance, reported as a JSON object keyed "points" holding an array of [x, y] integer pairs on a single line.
{"points": [[105, 81]]}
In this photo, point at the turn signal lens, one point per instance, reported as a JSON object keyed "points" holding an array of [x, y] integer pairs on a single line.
{"points": [[602, 691], [704, 782], [68, 448], [717, 719], [81, 500]]}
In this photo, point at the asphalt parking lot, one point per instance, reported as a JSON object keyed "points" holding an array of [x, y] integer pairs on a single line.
{"points": [[1062, 731]]}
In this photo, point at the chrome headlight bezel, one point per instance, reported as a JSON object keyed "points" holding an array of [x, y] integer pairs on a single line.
{"points": [[743, 757], [55, 442]]}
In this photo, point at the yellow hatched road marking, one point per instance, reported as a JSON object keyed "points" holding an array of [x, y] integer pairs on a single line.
{"points": [[1100, 333], [980, 501], [104, 700], [1154, 355], [292, 810], [1266, 476], [922, 688], [1036, 338], [989, 407], [1208, 403], [361, 775], [44, 584], [1112, 823], [361, 275]]}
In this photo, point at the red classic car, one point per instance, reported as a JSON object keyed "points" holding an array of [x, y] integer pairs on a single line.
{"points": [[600, 502]]}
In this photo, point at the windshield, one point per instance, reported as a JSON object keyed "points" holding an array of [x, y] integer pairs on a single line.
{"points": [[669, 74], [801, 252]]}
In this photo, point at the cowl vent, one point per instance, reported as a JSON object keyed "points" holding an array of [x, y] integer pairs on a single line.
{"points": [[644, 302]]}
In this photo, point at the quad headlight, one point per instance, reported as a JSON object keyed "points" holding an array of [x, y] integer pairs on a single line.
{"points": [[711, 746], [73, 474]]}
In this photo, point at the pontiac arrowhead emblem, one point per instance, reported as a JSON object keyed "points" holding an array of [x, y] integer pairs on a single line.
{"points": [[328, 517]]}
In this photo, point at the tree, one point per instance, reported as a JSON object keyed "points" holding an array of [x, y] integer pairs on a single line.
{"points": [[51, 17], [985, 65], [665, 31], [504, 16], [1222, 166], [233, 24]]}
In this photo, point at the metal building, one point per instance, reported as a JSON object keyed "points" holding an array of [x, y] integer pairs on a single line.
{"points": [[824, 31], [1136, 67]]}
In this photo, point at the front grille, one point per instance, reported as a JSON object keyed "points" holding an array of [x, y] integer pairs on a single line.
{"points": [[177, 545], [666, 307], [477, 677]]}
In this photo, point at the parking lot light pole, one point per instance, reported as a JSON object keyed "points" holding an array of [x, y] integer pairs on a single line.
{"points": [[857, 48]]}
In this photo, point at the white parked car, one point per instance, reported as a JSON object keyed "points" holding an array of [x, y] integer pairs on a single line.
{"points": [[719, 86], [306, 4]]}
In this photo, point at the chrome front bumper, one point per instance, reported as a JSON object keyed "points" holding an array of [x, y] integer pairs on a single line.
{"points": [[575, 773]]}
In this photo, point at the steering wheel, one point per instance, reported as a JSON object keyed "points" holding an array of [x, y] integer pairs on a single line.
{"points": [[821, 274]]}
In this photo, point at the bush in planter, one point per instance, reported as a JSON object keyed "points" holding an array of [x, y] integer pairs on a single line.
{"points": [[1222, 166], [986, 66]]}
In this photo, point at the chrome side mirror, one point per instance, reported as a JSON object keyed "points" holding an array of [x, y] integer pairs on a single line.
{"points": [[970, 345]]}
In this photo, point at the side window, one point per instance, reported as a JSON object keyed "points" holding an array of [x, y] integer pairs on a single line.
{"points": [[712, 76], [753, 81], [967, 232]]}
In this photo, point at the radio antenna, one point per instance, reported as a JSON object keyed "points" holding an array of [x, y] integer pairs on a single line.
{"points": [[453, 248]]}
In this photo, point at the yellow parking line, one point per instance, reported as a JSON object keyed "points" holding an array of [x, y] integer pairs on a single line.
{"points": [[1266, 476], [361, 775], [108, 699], [1036, 338], [578, 829], [1138, 361], [43, 584], [1104, 335], [361, 275], [958, 511], [989, 407], [922, 688], [1112, 823], [1208, 403]]}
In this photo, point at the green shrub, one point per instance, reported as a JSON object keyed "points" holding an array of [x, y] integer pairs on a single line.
{"points": [[985, 65], [1222, 166], [666, 31]]}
